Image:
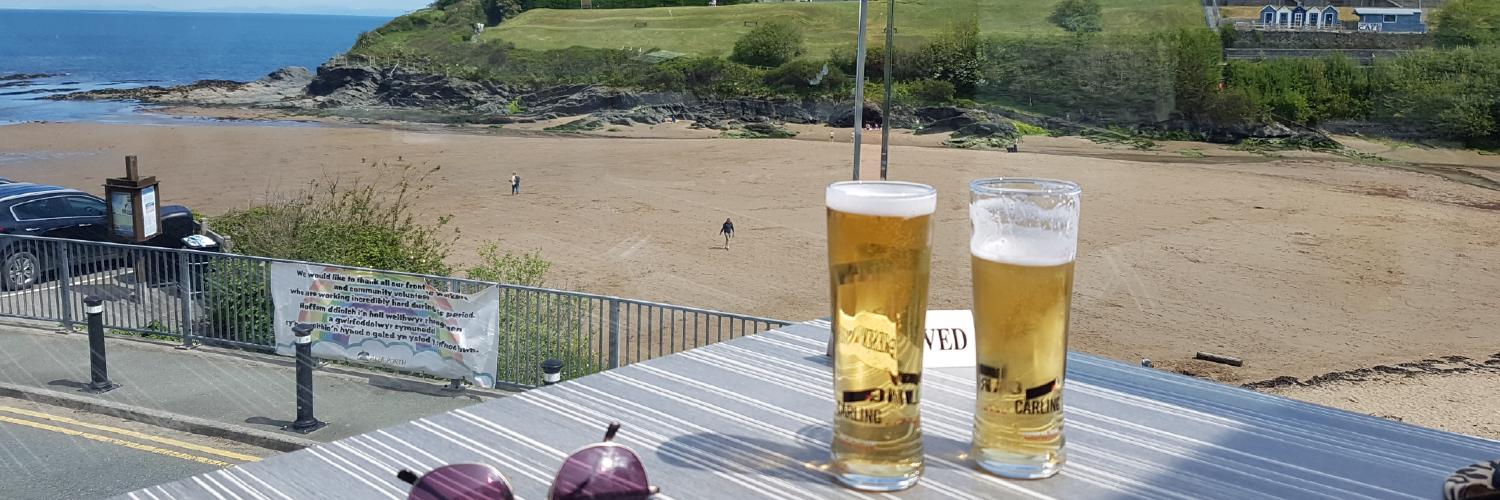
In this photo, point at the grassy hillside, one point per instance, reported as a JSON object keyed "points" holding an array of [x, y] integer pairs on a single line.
{"points": [[827, 25]]}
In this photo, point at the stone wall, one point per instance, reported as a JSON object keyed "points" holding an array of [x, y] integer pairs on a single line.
{"points": [[1256, 39], [1427, 4]]}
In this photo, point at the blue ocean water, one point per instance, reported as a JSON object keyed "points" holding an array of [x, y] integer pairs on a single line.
{"points": [[96, 49]]}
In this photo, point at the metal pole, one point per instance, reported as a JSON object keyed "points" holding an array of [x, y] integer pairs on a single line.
{"points": [[65, 280], [614, 334], [859, 83], [305, 422], [885, 106], [185, 281], [98, 369]]}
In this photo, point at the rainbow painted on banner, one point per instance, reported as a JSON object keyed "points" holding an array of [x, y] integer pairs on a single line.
{"points": [[389, 320]]}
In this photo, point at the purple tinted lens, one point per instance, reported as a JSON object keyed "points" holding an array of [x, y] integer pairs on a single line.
{"points": [[600, 472], [461, 482]]}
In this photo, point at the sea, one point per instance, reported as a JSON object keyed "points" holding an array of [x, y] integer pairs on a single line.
{"points": [[119, 49]]}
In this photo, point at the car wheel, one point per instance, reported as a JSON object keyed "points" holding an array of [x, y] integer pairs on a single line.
{"points": [[21, 270]]}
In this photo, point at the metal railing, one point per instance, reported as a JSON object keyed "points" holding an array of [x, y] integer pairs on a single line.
{"points": [[225, 299]]}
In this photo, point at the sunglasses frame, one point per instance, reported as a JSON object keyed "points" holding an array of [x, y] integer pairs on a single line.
{"points": [[412, 478]]}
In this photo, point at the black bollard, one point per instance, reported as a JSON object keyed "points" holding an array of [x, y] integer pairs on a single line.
{"points": [[305, 422], [98, 368], [551, 372]]}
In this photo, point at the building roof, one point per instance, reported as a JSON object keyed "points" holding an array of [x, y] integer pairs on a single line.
{"points": [[1387, 11]]}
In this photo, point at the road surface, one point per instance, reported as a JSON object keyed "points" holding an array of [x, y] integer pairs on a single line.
{"points": [[50, 452]]}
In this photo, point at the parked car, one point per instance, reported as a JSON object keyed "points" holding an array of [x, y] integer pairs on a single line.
{"points": [[59, 212]]}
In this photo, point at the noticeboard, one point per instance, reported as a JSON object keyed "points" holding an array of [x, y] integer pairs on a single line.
{"points": [[133, 201], [122, 214]]}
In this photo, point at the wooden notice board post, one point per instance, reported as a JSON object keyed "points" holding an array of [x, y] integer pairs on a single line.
{"points": [[133, 209], [133, 202]]}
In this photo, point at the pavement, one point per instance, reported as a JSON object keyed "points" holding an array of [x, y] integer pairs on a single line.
{"points": [[238, 395], [52, 452]]}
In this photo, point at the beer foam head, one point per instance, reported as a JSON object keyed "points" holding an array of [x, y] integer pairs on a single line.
{"points": [[882, 199], [1020, 231]]}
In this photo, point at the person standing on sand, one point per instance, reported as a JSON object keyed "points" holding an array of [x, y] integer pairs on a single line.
{"points": [[727, 231], [515, 184]]}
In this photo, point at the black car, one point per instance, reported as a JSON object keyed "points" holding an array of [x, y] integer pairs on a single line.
{"points": [[59, 212]]}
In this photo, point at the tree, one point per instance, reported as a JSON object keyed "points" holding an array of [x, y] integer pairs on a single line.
{"points": [[1078, 16], [955, 57], [1196, 56], [1467, 23], [496, 11], [768, 45]]}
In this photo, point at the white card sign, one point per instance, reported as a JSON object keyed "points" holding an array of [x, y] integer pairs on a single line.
{"points": [[950, 339]]}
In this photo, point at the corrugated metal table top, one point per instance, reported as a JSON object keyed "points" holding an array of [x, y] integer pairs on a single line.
{"points": [[750, 418]]}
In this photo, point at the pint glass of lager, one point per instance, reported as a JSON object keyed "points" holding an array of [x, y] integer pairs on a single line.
{"points": [[878, 256], [1024, 241]]}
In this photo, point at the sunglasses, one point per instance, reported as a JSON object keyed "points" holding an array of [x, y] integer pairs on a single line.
{"points": [[600, 471]]}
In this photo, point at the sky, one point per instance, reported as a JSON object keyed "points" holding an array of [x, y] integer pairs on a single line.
{"points": [[352, 7]]}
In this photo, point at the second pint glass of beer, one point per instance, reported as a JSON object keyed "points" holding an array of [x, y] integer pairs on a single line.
{"points": [[1024, 242], [878, 256]]}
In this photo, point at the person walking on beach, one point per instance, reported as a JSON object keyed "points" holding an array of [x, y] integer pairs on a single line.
{"points": [[727, 231], [515, 184]]}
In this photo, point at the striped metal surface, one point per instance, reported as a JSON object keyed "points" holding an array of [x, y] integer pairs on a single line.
{"points": [[749, 418]]}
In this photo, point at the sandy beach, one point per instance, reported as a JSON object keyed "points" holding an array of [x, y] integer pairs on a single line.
{"points": [[1300, 263]]}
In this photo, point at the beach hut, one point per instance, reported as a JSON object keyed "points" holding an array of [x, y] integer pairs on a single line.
{"points": [[1299, 16], [1391, 20], [1322, 17], [1284, 16], [1268, 15]]}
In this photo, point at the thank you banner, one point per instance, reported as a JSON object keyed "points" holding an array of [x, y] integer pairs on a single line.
{"points": [[387, 320]]}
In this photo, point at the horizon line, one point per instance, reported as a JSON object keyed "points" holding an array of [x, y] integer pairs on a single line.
{"points": [[369, 13]]}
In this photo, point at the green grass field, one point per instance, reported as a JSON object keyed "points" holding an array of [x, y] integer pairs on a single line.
{"points": [[825, 25]]}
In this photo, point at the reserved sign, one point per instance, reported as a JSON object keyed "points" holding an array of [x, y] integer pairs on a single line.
{"points": [[950, 339]]}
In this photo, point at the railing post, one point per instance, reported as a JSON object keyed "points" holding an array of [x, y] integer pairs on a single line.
{"points": [[65, 277], [615, 346], [185, 295]]}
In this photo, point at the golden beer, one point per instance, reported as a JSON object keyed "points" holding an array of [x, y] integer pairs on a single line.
{"points": [[879, 251], [1024, 244]]}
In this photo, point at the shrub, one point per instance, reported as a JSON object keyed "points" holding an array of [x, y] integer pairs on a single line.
{"points": [[1196, 55], [717, 77], [1467, 23], [349, 223], [1025, 129], [768, 45], [527, 269], [932, 91], [1078, 16], [1112, 78], [238, 302], [906, 62], [536, 326], [1227, 35], [955, 57], [804, 76], [1469, 117]]}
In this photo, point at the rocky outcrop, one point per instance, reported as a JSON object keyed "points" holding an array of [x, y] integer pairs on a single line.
{"points": [[357, 89], [278, 87], [363, 86], [28, 76]]}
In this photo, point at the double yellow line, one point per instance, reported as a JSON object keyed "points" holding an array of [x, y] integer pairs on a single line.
{"points": [[121, 442]]}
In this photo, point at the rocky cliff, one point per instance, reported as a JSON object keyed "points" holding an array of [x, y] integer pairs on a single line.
{"points": [[342, 87]]}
